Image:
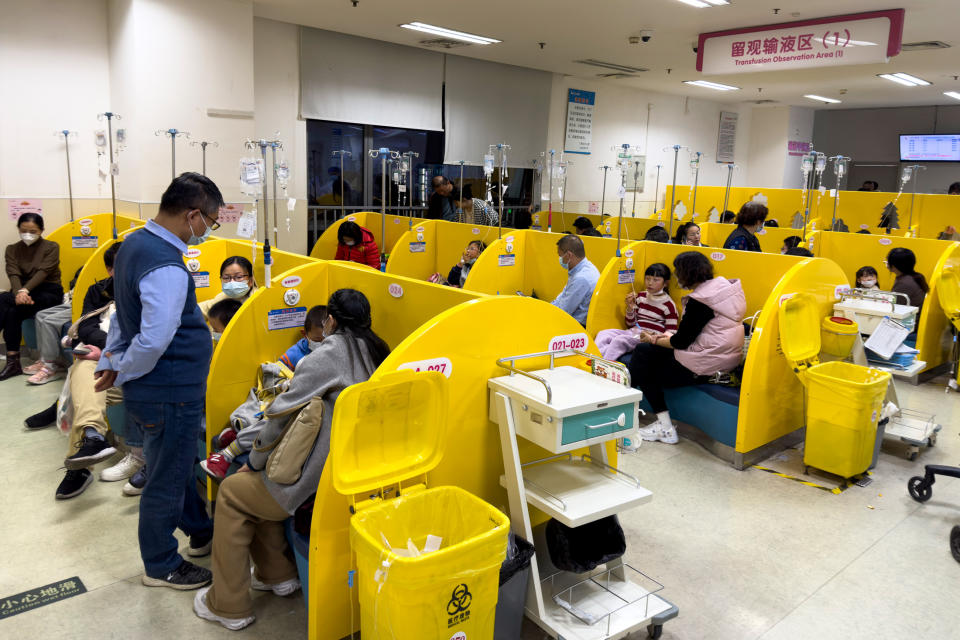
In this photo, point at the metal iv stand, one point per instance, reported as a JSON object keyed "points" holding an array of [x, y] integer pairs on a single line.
{"points": [[343, 196], [673, 196], [914, 168], [603, 193], [262, 144], [501, 148], [173, 134], [384, 154], [840, 170], [695, 161], [656, 189], [408, 156], [626, 155], [203, 144], [726, 194], [109, 115], [66, 133]]}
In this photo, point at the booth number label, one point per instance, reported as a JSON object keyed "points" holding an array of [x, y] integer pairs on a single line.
{"points": [[84, 242], [576, 341], [418, 247], [201, 279], [625, 276], [443, 365], [507, 259]]}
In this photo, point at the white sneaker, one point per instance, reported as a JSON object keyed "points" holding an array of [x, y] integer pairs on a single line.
{"points": [[656, 431], [202, 610], [127, 466], [284, 588]]}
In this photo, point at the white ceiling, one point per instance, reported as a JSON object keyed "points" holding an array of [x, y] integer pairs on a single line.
{"points": [[575, 29]]}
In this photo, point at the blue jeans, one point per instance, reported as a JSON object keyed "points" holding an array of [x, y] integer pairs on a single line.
{"points": [[169, 499]]}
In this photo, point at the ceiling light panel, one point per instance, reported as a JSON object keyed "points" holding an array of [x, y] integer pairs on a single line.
{"points": [[611, 65], [716, 86], [812, 96], [953, 94], [699, 4], [449, 33], [905, 79]]}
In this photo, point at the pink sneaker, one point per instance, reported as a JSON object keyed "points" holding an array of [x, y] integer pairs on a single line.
{"points": [[36, 367], [216, 466], [46, 375]]}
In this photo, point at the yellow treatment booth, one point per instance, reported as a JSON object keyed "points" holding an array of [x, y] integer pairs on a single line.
{"points": [[741, 424], [435, 246], [853, 250], [390, 225], [80, 239], [464, 341], [771, 239]]}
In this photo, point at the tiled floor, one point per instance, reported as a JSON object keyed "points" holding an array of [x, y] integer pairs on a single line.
{"points": [[743, 554]]}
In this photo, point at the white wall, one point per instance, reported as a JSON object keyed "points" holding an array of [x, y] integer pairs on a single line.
{"points": [[621, 116], [799, 128], [768, 146]]}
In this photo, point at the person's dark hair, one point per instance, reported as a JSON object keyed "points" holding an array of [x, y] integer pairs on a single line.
{"points": [[772, 223], [864, 231], [242, 262], [224, 310], [76, 277], [111, 254], [751, 213], [692, 268], [315, 317], [189, 191], [573, 244], [582, 223], [792, 241], [350, 230], [478, 244], [954, 189], [727, 216], [351, 310], [800, 251], [864, 271], [659, 270], [35, 218], [467, 191], [681, 236], [904, 260], [657, 234], [522, 219]]}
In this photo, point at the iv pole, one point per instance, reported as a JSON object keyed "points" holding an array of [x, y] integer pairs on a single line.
{"points": [[343, 195], [696, 180], [726, 194], [66, 133], [109, 115], [459, 208], [913, 196], [673, 196], [502, 148], [656, 189], [839, 164], [383, 153], [203, 151], [636, 179], [603, 194], [173, 133], [410, 155], [274, 145]]}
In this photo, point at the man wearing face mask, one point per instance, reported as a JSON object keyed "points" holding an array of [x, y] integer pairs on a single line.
{"points": [[581, 280], [158, 350]]}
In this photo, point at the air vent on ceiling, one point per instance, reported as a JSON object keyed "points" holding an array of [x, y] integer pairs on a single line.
{"points": [[615, 75], [764, 101], [444, 43], [622, 68], [920, 46]]}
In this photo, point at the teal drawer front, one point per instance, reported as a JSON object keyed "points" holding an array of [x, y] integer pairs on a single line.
{"points": [[588, 425]]}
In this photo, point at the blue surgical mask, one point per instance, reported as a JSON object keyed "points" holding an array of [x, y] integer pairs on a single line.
{"points": [[206, 234], [236, 289], [564, 264], [216, 335]]}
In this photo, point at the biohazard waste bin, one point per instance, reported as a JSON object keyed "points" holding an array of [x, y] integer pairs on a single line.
{"points": [[428, 559]]}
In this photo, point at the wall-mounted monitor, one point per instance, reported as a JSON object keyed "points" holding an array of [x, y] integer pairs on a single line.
{"points": [[930, 148]]}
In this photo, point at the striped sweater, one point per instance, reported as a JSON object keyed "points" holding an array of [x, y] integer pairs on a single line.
{"points": [[655, 312]]}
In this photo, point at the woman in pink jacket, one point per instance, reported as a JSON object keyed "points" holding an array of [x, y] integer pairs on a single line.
{"points": [[708, 340]]}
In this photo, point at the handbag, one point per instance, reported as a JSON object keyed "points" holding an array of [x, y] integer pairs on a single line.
{"points": [[291, 448]]}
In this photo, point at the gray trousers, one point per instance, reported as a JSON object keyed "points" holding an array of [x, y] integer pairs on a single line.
{"points": [[49, 322]]}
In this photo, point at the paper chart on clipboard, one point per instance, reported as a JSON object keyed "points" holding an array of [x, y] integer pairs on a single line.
{"points": [[886, 338]]}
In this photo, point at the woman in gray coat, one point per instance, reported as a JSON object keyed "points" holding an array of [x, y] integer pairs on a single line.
{"points": [[251, 508]]}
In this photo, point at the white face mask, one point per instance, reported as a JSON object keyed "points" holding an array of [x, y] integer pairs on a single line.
{"points": [[313, 344], [216, 335], [349, 243], [194, 239], [868, 282], [29, 238], [235, 288]]}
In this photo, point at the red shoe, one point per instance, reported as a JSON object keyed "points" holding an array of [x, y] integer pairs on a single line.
{"points": [[226, 436], [216, 466]]}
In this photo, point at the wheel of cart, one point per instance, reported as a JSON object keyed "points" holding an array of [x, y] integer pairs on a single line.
{"points": [[920, 488]]}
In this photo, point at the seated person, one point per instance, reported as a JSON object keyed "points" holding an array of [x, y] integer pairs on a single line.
{"points": [[460, 271], [251, 508], [236, 282], [220, 316], [708, 340], [773, 224], [584, 227], [799, 251], [657, 234], [475, 210], [49, 325], [866, 278], [790, 242], [581, 279], [749, 221], [238, 438], [648, 310], [954, 189], [688, 234], [901, 262], [356, 244], [727, 217]]}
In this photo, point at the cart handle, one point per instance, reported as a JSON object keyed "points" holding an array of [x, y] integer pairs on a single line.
{"points": [[509, 363]]}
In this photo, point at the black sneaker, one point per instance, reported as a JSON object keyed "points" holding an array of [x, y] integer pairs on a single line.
{"points": [[185, 577], [43, 419], [90, 452], [200, 545], [73, 484]]}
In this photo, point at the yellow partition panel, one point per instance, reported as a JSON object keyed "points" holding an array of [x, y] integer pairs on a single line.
{"points": [[443, 245], [771, 395], [561, 222], [934, 336], [80, 239], [771, 239], [633, 229], [394, 227], [471, 336], [500, 269]]}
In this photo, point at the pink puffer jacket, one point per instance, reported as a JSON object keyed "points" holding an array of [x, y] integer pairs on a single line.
{"points": [[719, 346]]}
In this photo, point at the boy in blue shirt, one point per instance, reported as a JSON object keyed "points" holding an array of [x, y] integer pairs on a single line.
{"points": [[312, 333]]}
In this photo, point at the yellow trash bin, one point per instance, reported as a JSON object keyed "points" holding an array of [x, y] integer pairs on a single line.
{"points": [[838, 335]]}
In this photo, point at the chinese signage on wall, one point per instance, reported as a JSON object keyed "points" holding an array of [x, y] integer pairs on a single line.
{"points": [[579, 121], [727, 136], [862, 38]]}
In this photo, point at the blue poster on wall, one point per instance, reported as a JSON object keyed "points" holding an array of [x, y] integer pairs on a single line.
{"points": [[579, 121]]}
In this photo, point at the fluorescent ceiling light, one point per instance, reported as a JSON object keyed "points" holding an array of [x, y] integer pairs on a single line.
{"points": [[449, 33], [610, 65], [711, 85], [904, 78], [718, 3], [821, 98], [699, 4], [953, 94]]}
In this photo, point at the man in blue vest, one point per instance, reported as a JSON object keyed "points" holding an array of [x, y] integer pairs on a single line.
{"points": [[158, 349]]}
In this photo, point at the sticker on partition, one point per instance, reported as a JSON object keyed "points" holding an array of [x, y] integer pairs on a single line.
{"points": [[476, 231], [201, 279], [577, 341], [508, 239], [823, 189], [626, 276], [395, 290], [661, 224], [536, 218], [291, 281], [873, 416], [85, 230], [292, 318], [419, 229], [418, 247], [628, 263], [536, 227], [79, 242], [509, 248], [841, 289], [507, 259], [628, 253], [785, 297], [351, 218], [864, 226], [419, 237], [86, 222], [192, 253], [442, 365], [193, 265], [459, 635], [291, 297], [718, 256], [396, 221], [886, 241]]}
